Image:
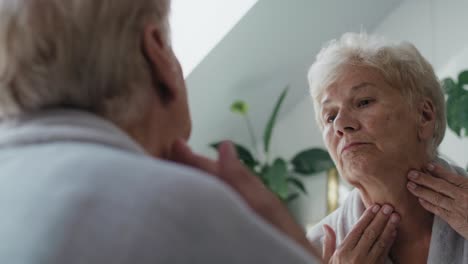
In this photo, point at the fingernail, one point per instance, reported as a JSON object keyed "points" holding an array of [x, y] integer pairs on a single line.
{"points": [[413, 175], [395, 219], [387, 209], [430, 167], [411, 185], [375, 208]]}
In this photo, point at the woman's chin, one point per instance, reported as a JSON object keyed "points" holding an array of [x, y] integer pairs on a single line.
{"points": [[361, 168], [358, 162]]}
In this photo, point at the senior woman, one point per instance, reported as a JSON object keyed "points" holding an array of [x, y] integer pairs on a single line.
{"points": [[380, 108]]}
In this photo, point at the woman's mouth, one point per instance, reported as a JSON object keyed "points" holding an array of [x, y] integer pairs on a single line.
{"points": [[353, 145]]}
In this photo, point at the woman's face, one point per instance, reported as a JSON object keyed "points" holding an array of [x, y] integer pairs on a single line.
{"points": [[368, 126]]}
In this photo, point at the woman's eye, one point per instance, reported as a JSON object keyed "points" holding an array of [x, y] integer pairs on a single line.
{"points": [[330, 119], [364, 103]]}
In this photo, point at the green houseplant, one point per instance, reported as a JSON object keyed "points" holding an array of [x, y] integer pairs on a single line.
{"points": [[457, 104], [278, 175]]}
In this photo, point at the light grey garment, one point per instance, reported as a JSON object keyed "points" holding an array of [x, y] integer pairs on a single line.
{"points": [[447, 246], [76, 189]]}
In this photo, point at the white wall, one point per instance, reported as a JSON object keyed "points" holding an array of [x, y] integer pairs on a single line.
{"points": [[292, 134], [438, 29], [296, 131]]}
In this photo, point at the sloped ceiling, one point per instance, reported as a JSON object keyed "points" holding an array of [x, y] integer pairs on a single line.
{"points": [[197, 26], [269, 49]]}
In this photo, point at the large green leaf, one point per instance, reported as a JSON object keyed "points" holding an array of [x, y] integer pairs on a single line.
{"points": [[240, 107], [457, 112], [463, 113], [298, 184], [243, 153], [271, 123], [312, 161], [452, 121], [463, 79], [263, 174], [449, 85], [457, 103], [276, 176], [291, 197]]}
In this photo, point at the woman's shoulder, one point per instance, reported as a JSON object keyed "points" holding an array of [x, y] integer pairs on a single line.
{"points": [[451, 166], [341, 220]]}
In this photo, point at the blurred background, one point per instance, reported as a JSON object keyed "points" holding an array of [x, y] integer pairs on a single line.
{"points": [[251, 50]]}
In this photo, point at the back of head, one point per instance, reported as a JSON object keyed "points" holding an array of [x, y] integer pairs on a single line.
{"points": [[80, 54], [401, 65]]}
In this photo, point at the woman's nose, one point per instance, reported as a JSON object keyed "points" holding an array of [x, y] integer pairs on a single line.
{"points": [[345, 123]]}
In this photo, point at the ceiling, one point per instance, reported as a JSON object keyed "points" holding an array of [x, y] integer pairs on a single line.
{"points": [[270, 48]]}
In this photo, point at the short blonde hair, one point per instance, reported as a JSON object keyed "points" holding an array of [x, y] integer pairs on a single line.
{"points": [[83, 54], [401, 65]]}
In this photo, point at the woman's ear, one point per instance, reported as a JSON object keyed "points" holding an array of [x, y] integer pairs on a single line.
{"points": [[427, 116], [165, 70]]}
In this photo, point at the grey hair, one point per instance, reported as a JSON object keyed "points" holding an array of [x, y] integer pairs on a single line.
{"points": [[400, 64], [82, 54]]}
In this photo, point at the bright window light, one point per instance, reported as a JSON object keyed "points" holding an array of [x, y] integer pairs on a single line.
{"points": [[198, 25]]}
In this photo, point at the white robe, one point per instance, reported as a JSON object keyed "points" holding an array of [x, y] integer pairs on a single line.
{"points": [[75, 189], [447, 246]]}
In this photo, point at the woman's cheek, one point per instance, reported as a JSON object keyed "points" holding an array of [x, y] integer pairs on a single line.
{"points": [[331, 143], [329, 139]]}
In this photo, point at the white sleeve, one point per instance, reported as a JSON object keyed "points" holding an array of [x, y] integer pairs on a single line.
{"points": [[341, 221]]}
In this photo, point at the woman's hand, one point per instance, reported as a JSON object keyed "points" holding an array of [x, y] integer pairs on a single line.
{"points": [[443, 193], [369, 241]]}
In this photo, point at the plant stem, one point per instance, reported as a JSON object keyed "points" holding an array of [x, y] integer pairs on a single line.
{"points": [[252, 135]]}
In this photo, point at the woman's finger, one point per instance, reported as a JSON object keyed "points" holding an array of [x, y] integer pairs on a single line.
{"points": [[232, 171], [431, 196], [375, 229], [181, 153], [354, 236], [381, 248], [329, 245], [439, 171], [441, 212], [437, 184]]}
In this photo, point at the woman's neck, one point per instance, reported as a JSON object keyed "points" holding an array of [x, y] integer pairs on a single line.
{"points": [[389, 187]]}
